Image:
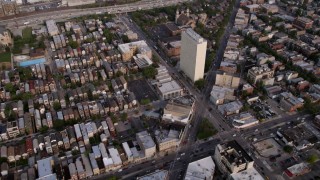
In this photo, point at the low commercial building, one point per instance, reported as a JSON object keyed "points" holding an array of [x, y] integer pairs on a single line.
{"points": [[77, 2], [171, 46], [45, 170], [52, 27], [146, 143], [273, 91], [289, 102], [218, 95], [179, 110], [227, 80], [244, 120], [167, 139], [297, 170], [230, 108], [228, 67], [169, 90], [201, 169], [5, 37], [299, 136], [128, 50], [302, 23], [269, 8], [263, 73], [162, 76], [142, 60], [230, 158], [252, 8]]}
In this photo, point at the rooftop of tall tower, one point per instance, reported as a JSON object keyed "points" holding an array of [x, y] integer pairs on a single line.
{"points": [[195, 36]]}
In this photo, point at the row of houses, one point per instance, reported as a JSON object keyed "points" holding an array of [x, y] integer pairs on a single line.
{"points": [[72, 138], [36, 118]]}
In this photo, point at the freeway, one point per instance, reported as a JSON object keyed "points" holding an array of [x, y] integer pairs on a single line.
{"points": [[38, 18]]}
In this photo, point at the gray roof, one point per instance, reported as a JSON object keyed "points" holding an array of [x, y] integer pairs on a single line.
{"points": [[2, 29]]}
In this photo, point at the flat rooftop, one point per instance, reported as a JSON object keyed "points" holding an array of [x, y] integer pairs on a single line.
{"points": [[44, 167], [146, 139], [201, 169], [164, 135], [250, 173], [195, 36], [169, 87], [237, 150]]}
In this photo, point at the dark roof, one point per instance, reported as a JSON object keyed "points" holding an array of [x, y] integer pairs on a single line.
{"points": [[170, 39], [236, 146], [172, 27], [2, 29], [3, 128]]}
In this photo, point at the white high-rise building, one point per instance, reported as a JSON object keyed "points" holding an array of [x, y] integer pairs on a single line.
{"points": [[193, 54]]}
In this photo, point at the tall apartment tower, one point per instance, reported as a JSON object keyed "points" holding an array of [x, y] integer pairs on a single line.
{"points": [[192, 54]]}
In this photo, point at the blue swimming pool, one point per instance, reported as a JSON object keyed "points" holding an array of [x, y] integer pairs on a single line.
{"points": [[32, 62]]}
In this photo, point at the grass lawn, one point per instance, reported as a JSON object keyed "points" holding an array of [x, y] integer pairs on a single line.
{"points": [[27, 33], [206, 129], [5, 57]]}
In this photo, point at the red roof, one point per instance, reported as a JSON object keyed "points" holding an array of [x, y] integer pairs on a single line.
{"points": [[288, 173], [29, 144]]}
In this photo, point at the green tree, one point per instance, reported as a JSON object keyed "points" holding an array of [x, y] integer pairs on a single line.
{"points": [[56, 106], [3, 159], [145, 101], [288, 149], [73, 44], [75, 152], [149, 72], [206, 129], [114, 118], [108, 35], [125, 39], [10, 87], [26, 96], [113, 178], [90, 95], [58, 125], [199, 84], [312, 158], [25, 73], [43, 129], [123, 116], [119, 73]]}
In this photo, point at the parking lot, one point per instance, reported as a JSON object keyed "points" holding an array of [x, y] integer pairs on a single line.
{"points": [[142, 90], [263, 110]]}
